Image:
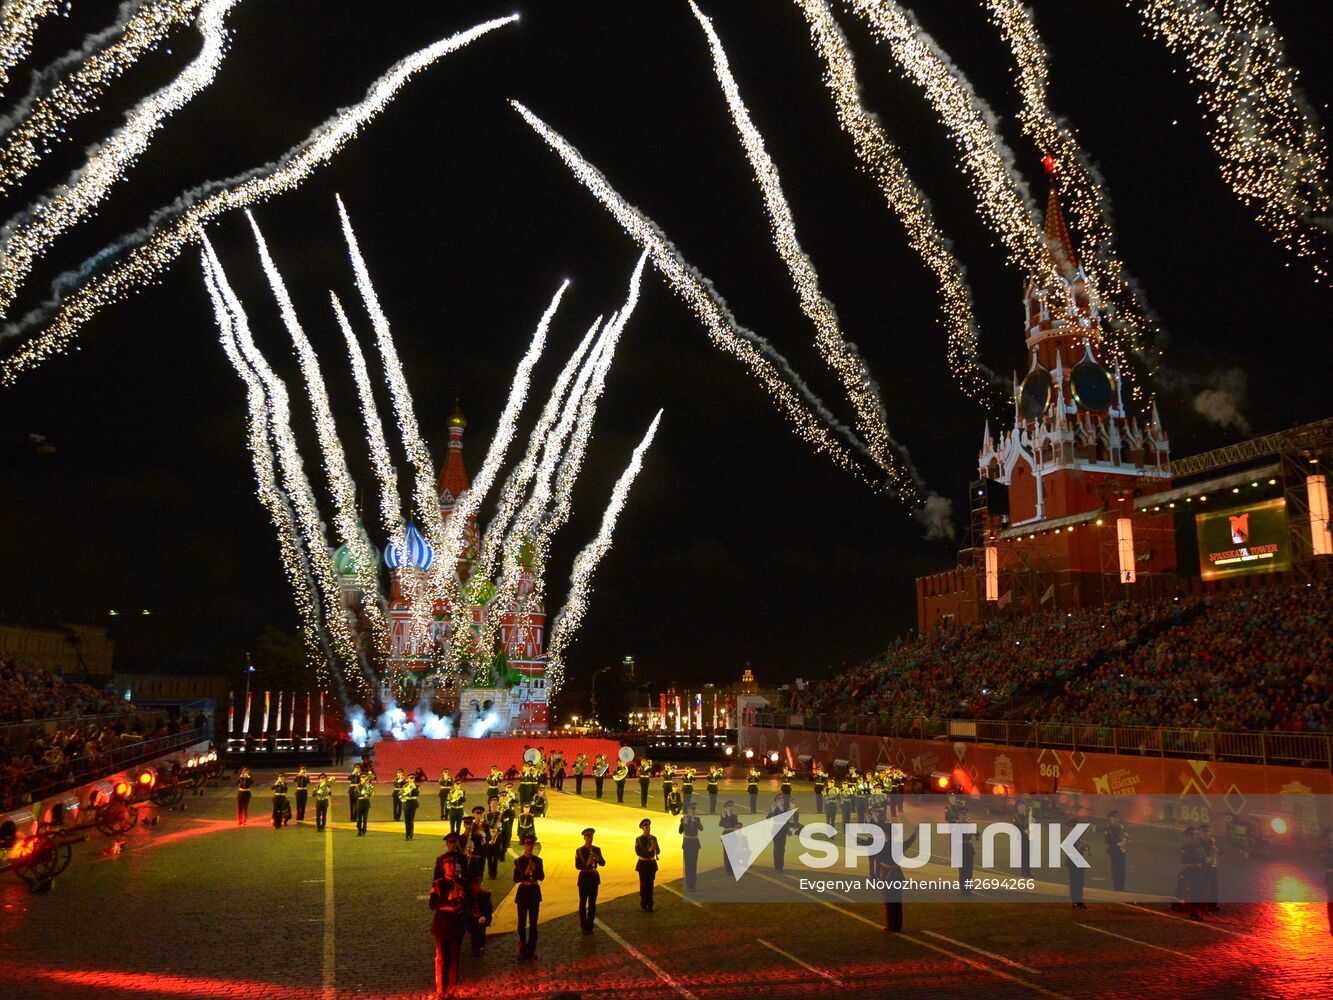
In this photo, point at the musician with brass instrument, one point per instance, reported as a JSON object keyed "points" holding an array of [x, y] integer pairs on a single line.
{"points": [[528, 876], [446, 786], [752, 787], [1117, 846], [410, 798], [820, 783], [645, 780], [456, 799], [687, 788], [599, 770], [618, 776], [493, 783], [580, 765], [784, 786], [493, 830], [668, 784], [714, 776]]}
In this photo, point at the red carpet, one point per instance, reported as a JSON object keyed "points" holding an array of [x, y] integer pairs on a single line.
{"points": [[477, 755]]}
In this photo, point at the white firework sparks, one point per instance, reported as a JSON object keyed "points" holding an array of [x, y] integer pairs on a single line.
{"points": [[79, 296], [18, 25], [585, 565]]}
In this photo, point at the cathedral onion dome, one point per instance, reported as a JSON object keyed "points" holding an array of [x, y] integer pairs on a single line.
{"points": [[414, 552], [344, 560]]}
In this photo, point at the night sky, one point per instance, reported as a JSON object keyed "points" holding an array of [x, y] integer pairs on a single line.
{"points": [[739, 544]]}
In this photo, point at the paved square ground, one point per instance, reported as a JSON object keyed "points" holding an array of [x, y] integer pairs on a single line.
{"points": [[197, 907]]}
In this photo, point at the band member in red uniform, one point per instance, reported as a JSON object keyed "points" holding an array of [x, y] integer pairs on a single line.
{"points": [[587, 859], [449, 900], [243, 785], [647, 851], [528, 875]]}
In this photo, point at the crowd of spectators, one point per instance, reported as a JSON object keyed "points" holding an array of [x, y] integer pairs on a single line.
{"points": [[1245, 660], [28, 692], [1248, 660]]}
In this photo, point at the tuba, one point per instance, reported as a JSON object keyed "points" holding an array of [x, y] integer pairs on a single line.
{"points": [[601, 768]]}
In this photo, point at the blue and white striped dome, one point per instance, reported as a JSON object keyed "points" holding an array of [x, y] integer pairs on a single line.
{"points": [[414, 553]]}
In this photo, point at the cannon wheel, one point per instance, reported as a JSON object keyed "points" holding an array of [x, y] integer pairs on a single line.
{"points": [[40, 862], [116, 817], [166, 796]]}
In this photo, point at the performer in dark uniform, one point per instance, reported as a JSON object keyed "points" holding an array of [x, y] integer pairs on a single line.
{"points": [[365, 793], [446, 786], [599, 770], [450, 851], [831, 804], [885, 867], [323, 792], [645, 779], [508, 813], [647, 851], [690, 828], [587, 859], [456, 799], [580, 765], [1022, 814], [752, 788], [784, 786], [493, 783], [282, 810], [820, 783], [410, 799], [474, 831], [1208, 859], [558, 771], [448, 898], [1189, 883], [243, 785], [399, 783], [353, 790], [967, 866], [527, 784], [528, 874], [1117, 844], [674, 803], [618, 776], [494, 831], [527, 826], [687, 788], [480, 912], [781, 805], [302, 783], [668, 785], [714, 776], [728, 822]]}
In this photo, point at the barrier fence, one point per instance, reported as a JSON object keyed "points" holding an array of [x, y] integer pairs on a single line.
{"points": [[1301, 749], [41, 782]]}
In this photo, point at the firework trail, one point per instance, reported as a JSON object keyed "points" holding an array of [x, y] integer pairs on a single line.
{"points": [[585, 564], [908, 202], [571, 464], [807, 413], [467, 505], [525, 529], [294, 481], [26, 236], [346, 520], [18, 25], [142, 255], [1270, 146], [270, 493], [516, 485], [425, 499], [37, 122], [838, 353], [391, 507], [1135, 327]]}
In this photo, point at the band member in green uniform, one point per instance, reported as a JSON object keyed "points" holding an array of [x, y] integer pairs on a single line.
{"points": [[527, 784], [323, 793], [645, 779], [528, 875], [494, 830], [714, 776], [409, 799], [493, 783], [675, 803], [353, 791], [687, 788], [587, 859], [480, 912], [399, 783], [618, 776], [668, 784], [832, 804], [647, 852], [446, 786], [820, 783], [302, 783], [690, 828], [558, 771], [365, 793], [474, 844], [580, 765], [527, 826], [508, 814], [752, 788], [282, 810], [599, 769], [448, 898], [243, 785], [784, 787], [1117, 846], [727, 823], [456, 799]]}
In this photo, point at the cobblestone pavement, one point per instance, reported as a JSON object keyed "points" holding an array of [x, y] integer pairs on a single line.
{"points": [[197, 907]]}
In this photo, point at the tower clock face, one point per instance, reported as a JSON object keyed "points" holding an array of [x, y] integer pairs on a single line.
{"points": [[1092, 387], [1035, 394]]}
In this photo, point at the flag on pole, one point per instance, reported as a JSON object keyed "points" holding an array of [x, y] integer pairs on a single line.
{"points": [[263, 730], [699, 710], [291, 721], [231, 712], [321, 711], [277, 719], [245, 726], [307, 713]]}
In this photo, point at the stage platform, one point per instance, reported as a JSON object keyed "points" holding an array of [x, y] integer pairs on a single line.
{"points": [[477, 755]]}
